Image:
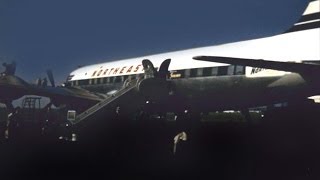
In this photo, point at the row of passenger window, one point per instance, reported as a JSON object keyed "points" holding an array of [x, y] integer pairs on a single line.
{"points": [[106, 80], [212, 71], [185, 73]]}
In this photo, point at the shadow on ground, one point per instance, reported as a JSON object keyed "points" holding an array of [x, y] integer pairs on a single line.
{"points": [[285, 144]]}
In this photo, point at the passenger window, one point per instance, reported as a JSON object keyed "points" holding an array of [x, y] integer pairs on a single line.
{"points": [[105, 80], [231, 70], [111, 79], [117, 79], [199, 72], [99, 81], [222, 70], [83, 82], [239, 70], [207, 71], [187, 73], [214, 71], [193, 72]]}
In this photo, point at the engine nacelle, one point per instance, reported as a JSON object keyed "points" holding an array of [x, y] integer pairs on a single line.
{"points": [[153, 88]]}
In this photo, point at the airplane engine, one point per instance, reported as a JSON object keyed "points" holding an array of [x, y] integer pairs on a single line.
{"points": [[153, 88]]}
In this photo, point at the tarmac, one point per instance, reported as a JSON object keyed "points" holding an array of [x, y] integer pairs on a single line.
{"points": [[284, 144]]}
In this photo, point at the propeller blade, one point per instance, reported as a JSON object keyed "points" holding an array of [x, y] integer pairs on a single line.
{"points": [[148, 68], [150, 71], [164, 68], [50, 76]]}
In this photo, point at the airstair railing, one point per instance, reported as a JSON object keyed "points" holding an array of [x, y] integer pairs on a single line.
{"points": [[84, 115]]}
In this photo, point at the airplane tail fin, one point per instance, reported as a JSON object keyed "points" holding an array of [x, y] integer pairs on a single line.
{"points": [[310, 19]]}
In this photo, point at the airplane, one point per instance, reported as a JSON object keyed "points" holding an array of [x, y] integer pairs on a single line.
{"points": [[238, 75]]}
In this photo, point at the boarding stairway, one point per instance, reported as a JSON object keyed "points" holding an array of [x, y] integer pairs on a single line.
{"points": [[30, 111], [154, 85], [128, 88]]}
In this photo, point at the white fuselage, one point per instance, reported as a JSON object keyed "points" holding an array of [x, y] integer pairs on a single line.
{"points": [[302, 43], [204, 83], [294, 47]]}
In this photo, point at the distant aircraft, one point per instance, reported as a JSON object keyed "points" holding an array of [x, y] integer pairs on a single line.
{"points": [[239, 75]]}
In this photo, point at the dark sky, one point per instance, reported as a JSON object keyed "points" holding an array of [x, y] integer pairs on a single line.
{"points": [[62, 34]]}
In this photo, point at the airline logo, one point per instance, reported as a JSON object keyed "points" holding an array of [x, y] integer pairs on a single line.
{"points": [[115, 71], [253, 72]]}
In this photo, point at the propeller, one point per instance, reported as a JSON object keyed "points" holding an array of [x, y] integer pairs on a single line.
{"points": [[150, 71], [155, 85], [50, 76], [164, 68]]}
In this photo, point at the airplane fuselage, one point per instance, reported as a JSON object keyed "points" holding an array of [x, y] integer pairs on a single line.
{"points": [[209, 85]]}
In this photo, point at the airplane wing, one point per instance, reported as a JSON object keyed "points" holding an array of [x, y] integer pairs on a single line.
{"points": [[66, 92], [13, 87], [301, 68]]}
